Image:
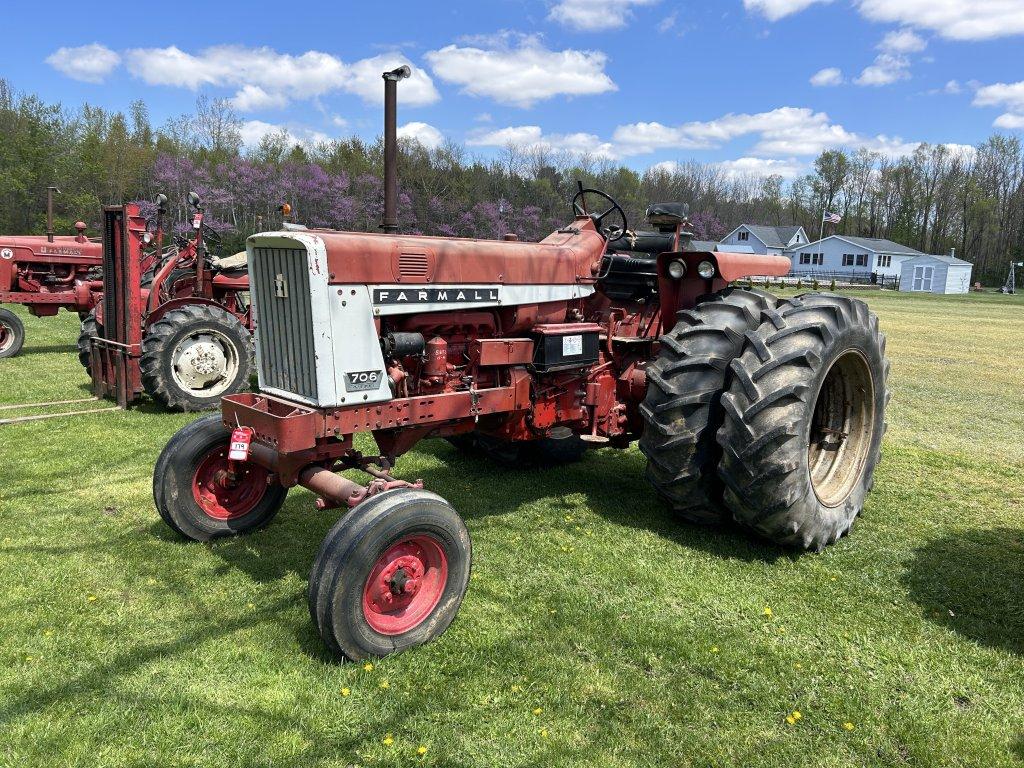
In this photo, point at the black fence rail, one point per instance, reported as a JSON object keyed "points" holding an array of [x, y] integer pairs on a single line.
{"points": [[819, 280]]}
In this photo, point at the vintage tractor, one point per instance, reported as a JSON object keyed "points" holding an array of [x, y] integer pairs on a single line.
{"points": [[46, 273], [767, 410], [179, 331]]}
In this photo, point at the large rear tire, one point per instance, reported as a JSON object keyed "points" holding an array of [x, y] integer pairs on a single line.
{"points": [[194, 355], [12, 334], [194, 494], [804, 420], [90, 330], [682, 409], [390, 575]]}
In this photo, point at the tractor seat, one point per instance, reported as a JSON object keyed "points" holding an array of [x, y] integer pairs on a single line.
{"points": [[644, 242], [236, 263]]}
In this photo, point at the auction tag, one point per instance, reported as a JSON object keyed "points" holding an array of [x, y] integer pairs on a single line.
{"points": [[240, 440], [197, 221], [572, 346]]}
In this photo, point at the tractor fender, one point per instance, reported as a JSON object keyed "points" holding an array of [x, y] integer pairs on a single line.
{"points": [[183, 301]]}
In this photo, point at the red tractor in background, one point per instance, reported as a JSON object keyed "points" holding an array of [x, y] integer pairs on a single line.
{"points": [[765, 410], [180, 331], [46, 273]]}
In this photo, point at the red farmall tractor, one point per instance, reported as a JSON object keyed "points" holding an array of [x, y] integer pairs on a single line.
{"points": [[179, 331], [767, 410], [46, 273]]}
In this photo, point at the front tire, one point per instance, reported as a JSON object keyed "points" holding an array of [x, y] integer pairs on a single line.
{"points": [[390, 575], [804, 420], [91, 329], [194, 355], [682, 409], [194, 495], [12, 334]]}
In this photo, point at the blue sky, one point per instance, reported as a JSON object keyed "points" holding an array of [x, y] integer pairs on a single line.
{"points": [[756, 85]]}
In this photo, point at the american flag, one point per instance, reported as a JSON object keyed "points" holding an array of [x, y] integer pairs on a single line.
{"points": [[831, 218]]}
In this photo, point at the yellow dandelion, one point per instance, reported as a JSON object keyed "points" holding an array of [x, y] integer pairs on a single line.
{"points": [[714, 649], [252, 605], [796, 714], [421, 751], [537, 711], [367, 667], [790, 719], [848, 726], [798, 665], [388, 740], [28, 658], [543, 733], [767, 611], [385, 684], [92, 598], [48, 633], [346, 692]]}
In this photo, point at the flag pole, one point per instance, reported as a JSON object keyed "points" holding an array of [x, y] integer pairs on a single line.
{"points": [[821, 232]]}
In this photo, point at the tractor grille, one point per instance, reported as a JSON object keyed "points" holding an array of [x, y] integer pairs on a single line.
{"points": [[284, 321]]}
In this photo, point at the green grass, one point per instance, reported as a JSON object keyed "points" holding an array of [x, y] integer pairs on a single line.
{"points": [[638, 640]]}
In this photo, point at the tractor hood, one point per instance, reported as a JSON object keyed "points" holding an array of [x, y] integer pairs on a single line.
{"points": [[67, 249]]}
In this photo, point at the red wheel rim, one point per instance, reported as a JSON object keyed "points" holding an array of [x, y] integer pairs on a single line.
{"points": [[405, 585], [223, 494]]}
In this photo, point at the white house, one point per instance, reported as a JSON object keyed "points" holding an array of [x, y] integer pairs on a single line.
{"points": [[845, 254], [936, 274], [755, 238]]}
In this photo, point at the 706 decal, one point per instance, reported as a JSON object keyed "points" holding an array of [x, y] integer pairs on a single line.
{"points": [[362, 381]]}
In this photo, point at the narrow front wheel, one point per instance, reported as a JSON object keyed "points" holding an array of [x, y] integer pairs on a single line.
{"points": [[12, 334], [390, 575]]}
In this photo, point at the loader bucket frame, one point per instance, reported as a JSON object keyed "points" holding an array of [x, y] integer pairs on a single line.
{"points": [[116, 351]]}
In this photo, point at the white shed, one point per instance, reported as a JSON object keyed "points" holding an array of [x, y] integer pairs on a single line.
{"points": [[936, 274]]}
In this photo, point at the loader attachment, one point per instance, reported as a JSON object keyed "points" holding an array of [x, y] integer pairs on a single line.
{"points": [[118, 347]]}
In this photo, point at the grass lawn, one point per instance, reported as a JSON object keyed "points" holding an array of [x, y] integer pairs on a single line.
{"points": [[597, 631]]}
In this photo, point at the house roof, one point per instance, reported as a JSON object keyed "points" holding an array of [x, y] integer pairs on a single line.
{"points": [[874, 244], [704, 245], [951, 260], [773, 237]]}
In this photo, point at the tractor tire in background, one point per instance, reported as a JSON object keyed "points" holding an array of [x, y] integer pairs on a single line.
{"points": [[91, 328], [561, 446], [12, 334], [194, 494], [390, 575], [194, 355], [804, 420], [682, 409]]}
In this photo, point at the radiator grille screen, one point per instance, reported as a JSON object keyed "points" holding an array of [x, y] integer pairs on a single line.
{"points": [[284, 320]]}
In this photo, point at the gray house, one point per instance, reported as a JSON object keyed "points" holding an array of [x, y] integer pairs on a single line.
{"points": [[846, 254], [755, 238], [936, 274]]}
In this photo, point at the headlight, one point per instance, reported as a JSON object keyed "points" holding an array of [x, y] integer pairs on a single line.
{"points": [[147, 238], [706, 269], [676, 269]]}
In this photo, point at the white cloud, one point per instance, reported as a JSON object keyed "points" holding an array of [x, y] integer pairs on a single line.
{"points": [[827, 77], [886, 69], [594, 15], [268, 77], [253, 132], [521, 72], [87, 63], [902, 41], [953, 87], [756, 166], [954, 19], [252, 98], [424, 133], [1009, 96], [777, 9], [531, 137]]}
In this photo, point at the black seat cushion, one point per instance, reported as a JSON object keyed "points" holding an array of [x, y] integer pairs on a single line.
{"points": [[628, 278], [644, 242]]}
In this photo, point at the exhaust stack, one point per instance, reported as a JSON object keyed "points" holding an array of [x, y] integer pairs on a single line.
{"points": [[49, 212], [390, 223]]}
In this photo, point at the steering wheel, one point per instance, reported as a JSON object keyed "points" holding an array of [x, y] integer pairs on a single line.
{"points": [[612, 231]]}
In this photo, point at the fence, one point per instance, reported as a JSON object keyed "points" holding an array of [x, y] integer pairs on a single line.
{"points": [[842, 279]]}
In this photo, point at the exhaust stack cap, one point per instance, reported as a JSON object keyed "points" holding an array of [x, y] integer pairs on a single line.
{"points": [[401, 73]]}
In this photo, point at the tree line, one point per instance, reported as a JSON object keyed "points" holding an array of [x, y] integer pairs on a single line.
{"points": [[935, 199]]}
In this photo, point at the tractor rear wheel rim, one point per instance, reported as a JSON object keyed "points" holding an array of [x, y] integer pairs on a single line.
{"points": [[842, 429], [204, 362], [6, 337], [226, 493], [405, 585]]}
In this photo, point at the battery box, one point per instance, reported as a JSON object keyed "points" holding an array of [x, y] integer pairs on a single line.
{"points": [[566, 346]]}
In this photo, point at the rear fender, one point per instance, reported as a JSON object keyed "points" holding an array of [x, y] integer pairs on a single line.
{"points": [[173, 304], [676, 295]]}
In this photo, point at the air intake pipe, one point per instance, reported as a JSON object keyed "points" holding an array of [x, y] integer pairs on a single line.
{"points": [[390, 223]]}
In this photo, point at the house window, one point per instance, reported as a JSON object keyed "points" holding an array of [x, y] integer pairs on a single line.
{"points": [[805, 258], [847, 259], [743, 236], [862, 259], [818, 259], [884, 261]]}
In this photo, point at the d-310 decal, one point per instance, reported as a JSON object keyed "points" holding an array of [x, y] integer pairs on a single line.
{"points": [[436, 295]]}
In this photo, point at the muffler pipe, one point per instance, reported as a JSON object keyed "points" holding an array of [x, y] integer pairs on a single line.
{"points": [[390, 223]]}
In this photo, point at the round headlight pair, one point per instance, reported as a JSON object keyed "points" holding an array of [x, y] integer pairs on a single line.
{"points": [[706, 269], [676, 269]]}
